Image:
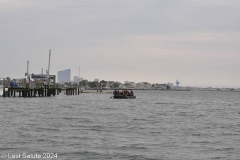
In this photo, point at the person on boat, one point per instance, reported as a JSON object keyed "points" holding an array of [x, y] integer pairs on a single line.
{"points": [[131, 93], [127, 93], [115, 92], [121, 93]]}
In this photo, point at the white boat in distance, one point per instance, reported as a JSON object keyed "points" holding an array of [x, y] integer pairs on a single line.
{"points": [[1, 92], [1, 87]]}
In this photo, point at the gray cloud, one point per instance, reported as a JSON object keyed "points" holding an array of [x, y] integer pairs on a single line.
{"points": [[155, 41]]}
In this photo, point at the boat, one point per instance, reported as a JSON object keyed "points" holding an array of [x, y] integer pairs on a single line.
{"points": [[119, 96], [1, 87], [1, 92]]}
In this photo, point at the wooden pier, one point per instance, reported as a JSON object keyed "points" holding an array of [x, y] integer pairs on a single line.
{"points": [[72, 89], [37, 88], [27, 92]]}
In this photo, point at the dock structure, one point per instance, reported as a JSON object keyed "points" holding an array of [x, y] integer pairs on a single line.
{"points": [[28, 88], [38, 86], [72, 89]]}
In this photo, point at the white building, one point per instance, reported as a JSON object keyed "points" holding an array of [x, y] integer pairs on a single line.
{"points": [[128, 86], [75, 79], [64, 76], [133, 84], [144, 85], [163, 85], [170, 84], [160, 86]]}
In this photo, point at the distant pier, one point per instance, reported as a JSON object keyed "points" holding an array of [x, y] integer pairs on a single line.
{"points": [[38, 87]]}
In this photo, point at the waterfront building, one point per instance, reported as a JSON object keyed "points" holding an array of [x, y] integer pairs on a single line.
{"points": [[163, 86], [85, 82], [105, 86], [128, 86], [75, 78], [64, 76], [80, 79], [160, 86], [133, 84], [170, 85], [144, 85]]}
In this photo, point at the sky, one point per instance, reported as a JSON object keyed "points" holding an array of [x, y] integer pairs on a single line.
{"points": [[155, 41]]}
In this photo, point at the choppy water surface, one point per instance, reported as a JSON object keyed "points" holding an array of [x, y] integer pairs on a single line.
{"points": [[168, 125]]}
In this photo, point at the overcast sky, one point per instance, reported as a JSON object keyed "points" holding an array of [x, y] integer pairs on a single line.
{"points": [[156, 41]]}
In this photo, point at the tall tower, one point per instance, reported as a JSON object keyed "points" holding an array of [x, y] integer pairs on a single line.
{"points": [[177, 82]]}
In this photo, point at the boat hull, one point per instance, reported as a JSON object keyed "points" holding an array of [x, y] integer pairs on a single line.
{"points": [[123, 97]]}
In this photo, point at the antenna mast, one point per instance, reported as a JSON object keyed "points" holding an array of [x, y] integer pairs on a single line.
{"points": [[27, 69], [49, 69], [79, 75]]}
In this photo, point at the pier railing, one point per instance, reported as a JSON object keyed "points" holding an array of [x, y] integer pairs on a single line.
{"points": [[36, 87]]}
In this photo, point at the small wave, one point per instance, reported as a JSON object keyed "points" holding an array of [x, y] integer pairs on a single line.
{"points": [[5, 149], [74, 137], [164, 103], [225, 149], [48, 129], [137, 119], [41, 139], [202, 142], [156, 132], [70, 118], [66, 106], [219, 158], [132, 147], [199, 134], [95, 129], [77, 154]]}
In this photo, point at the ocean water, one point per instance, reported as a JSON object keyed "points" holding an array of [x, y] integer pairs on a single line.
{"points": [[162, 125]]}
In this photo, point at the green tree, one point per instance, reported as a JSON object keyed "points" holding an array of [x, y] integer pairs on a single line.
{"points": [[103, 82], [116, 85], [84, 82], [168, 87], [92, 84]]}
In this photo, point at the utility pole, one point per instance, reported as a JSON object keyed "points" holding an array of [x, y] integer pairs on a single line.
{"points": [[79, 75], [49, 69], [27, 69]]}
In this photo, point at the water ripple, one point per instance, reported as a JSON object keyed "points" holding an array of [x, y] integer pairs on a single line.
{"points": [[156, 125]]}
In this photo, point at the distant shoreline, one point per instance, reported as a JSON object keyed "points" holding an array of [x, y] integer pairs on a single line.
{"points": [[164, 90]]}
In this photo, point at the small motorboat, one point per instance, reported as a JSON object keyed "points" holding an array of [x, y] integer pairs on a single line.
{"points": [[119, 96], [1, 92], [1, 87]]}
